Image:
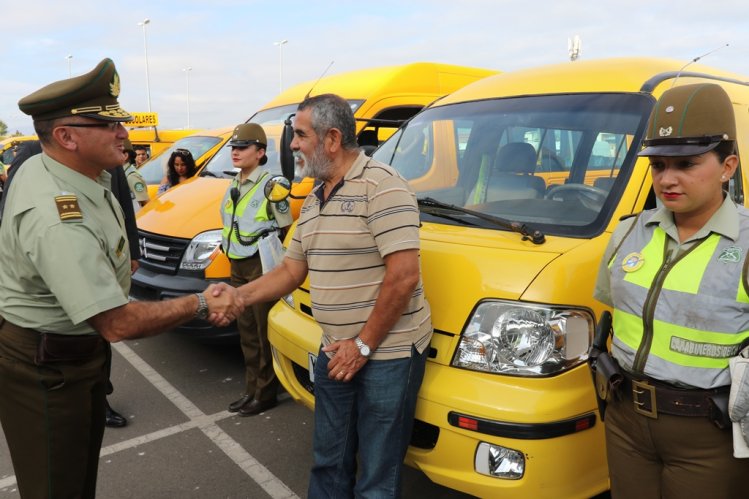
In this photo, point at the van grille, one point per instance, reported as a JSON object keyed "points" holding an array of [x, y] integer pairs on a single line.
{"points": [[161, 253]]}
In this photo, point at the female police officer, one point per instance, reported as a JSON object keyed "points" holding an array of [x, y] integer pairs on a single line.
{"points": [[247, 215], [673, 276]]}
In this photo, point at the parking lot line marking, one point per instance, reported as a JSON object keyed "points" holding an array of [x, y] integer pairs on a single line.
{"points": [[256, 471]]}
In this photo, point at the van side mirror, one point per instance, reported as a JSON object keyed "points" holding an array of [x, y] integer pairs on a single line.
{"points": [[287, 156], [277, 189]]}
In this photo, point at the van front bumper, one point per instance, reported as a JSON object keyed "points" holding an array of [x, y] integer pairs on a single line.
{"points": [[562, 450]]}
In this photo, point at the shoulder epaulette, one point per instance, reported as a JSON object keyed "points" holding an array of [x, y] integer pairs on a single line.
{"points": [[67, 207]]}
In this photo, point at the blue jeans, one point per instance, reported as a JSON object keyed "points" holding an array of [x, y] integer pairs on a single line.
{"points": [[372, 415]]}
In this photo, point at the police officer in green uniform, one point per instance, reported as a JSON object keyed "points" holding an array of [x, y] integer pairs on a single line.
{"points": [[676, 279], [66, 295], [247, 216], [138, 187]]}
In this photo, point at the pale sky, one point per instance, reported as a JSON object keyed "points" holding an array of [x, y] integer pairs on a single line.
{"points": [[229, 44]]}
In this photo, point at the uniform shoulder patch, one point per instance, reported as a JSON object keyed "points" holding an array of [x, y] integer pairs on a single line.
{"points": [[139, 187], [67, 207], [282, 206]]}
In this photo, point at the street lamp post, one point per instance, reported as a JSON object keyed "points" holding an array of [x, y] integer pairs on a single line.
{"points": [[69, 57], [187, 78], [280, 63], [145, 50]]}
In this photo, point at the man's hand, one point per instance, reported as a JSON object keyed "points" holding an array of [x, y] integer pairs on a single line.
{"points": [[346, 361], [134, 266], [224, 304]]}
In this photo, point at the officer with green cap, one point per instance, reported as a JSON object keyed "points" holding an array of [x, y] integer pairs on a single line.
{"points": [[676, 279], [66, 295], [248, 216]]}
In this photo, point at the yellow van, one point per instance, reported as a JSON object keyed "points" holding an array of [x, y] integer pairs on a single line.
{"points": [[521, 178], [156, 141], [180, 231], [7, 144]]}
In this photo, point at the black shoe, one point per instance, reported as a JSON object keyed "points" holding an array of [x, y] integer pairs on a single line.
{"points": [[237, 404], [114, 419], [257, 406]]}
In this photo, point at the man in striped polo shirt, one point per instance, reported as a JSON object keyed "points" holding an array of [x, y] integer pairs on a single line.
{"points": [[358, 238]]}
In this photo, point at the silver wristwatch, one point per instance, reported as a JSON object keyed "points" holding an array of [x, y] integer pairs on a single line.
{"points": [[363, 347], [202, 311]]}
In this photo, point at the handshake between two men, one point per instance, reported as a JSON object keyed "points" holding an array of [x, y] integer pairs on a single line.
{"points": [[224, 304]]}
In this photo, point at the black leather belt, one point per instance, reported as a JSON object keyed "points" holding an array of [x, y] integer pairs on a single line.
{"points": [[651, 397]]}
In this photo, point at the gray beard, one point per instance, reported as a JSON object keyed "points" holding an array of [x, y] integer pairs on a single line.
{"points": [[315, 166]]}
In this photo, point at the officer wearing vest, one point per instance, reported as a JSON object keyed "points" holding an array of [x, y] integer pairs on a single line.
{"points": [[676, 279], [247, 216]]}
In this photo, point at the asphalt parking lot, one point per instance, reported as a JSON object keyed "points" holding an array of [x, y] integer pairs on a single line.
{"points": [[181, 442]]}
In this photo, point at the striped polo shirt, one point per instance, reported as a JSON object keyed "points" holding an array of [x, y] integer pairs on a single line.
{"points": [[371, 213]]}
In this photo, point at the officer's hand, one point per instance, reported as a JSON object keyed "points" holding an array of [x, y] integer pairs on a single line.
{"points": [[224, 304]]}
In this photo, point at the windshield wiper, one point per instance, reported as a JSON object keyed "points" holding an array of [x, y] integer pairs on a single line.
{"points": [[528, 233]]}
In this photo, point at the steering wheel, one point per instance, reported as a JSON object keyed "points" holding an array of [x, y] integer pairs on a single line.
{"points": [[550, 162], [590, 197]]}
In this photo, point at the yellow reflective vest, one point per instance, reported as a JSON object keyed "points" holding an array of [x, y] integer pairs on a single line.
{"points": [[245, 222], [679, 319]]}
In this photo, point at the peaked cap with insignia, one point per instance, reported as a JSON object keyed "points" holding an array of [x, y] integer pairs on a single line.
{"points": [[93, 95], [689, 120], [248, 134]]}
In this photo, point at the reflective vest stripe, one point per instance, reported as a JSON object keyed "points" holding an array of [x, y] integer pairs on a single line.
{"points": [[694, 265]]}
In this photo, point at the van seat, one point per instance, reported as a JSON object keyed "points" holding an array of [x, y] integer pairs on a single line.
{"points": [[604, 183], [511, 176]]}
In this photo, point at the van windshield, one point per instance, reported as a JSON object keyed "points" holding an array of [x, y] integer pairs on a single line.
{"points": [[558, 163], [155, 168], [272, 121]]}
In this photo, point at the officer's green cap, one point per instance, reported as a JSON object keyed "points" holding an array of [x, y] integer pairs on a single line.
{"points": [[689, 120], [248, 134], [93, 95]]}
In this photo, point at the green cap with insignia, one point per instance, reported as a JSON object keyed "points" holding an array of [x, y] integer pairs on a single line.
{"points": [[93, 95], [248, 134], [689, 120]]}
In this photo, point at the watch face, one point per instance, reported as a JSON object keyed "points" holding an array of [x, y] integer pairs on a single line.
{"points": [[364, 349]]}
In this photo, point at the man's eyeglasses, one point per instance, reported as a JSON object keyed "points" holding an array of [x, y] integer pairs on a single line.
{"points": [[112, 125]]}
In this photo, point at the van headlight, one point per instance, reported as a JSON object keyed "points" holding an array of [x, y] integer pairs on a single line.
{"points": [[201, 250], [524, 339]]}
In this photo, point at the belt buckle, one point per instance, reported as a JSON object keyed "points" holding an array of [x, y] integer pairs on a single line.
{"points": [[641, 407]]}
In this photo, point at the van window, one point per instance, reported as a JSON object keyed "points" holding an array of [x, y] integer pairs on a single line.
{"points": [[154, 169], [549, 161]]}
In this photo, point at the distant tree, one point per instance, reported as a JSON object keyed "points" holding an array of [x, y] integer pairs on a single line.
{"points": [[3, 128]]}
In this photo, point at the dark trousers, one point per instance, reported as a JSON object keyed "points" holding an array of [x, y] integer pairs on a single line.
{"points": [[260, 378], [52, 416], [670, 457]]}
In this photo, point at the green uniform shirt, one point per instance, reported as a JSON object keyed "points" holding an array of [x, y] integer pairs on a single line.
{"points": [[137, 185], [64, 248]]}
